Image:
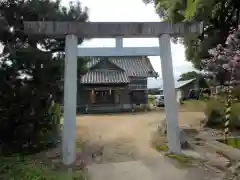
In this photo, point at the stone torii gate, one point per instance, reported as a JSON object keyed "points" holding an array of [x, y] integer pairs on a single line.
{"points": [[74, 30]]}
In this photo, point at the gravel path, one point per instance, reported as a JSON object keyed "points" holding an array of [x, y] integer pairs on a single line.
{"points": [[127, 137], [127, 151]]}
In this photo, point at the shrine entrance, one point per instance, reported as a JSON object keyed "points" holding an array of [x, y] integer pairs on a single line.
{"points": [[73, 30]]}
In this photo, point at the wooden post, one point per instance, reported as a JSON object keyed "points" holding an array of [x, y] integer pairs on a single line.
{"points": [[171, 107], [119, 42], [70, 100]]}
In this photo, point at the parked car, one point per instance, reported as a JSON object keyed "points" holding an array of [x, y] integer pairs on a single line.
{"points": [[160, 101]]}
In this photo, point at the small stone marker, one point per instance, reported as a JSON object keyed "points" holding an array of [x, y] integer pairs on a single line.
{"points": [[183, 139]]}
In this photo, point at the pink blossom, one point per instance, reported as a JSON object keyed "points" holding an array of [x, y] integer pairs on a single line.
{"points": [[226, 57]]}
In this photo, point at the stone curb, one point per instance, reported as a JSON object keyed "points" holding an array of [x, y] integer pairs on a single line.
{"points": [[212, 144]]}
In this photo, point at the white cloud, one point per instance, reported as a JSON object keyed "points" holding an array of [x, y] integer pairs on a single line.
{"points": [[132, 11]]}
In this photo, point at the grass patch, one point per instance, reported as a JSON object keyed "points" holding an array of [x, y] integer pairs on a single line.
{"points": [[180, 158], [79, 145], [234, 142], [19, 168], [195, 105], [161, 147], [158, 142]]}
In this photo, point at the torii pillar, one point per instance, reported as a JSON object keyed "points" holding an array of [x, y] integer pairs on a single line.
{"points": [[72, 30]]}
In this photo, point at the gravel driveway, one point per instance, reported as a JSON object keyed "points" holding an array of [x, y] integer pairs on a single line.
{"points": [[127, 136]]}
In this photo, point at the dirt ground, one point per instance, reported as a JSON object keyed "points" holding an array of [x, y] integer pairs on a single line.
{"points": [[127, 136]]}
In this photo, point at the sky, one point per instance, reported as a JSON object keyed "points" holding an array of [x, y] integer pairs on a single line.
{"points": [[132, 11]]}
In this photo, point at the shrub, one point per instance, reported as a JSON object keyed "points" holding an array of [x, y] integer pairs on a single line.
{"points": [[235, 116], [29, 128], [143, 107], [26, 168], [151, 99], [52, 136], [236, 92], [214, 112]]}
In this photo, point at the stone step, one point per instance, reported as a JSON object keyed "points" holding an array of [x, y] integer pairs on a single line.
{"points": [[131, 170], [155, 168], [164, 169]]}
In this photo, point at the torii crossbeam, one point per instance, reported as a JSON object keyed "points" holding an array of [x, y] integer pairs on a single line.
{"points": [[72, 30]]}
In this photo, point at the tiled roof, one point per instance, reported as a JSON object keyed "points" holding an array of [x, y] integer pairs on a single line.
{"points": [[180, 84], [133, 66], [105, 77]]}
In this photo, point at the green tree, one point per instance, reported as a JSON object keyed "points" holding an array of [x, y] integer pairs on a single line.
{"points": [[188, 76], [218, 16], [25, 123]]}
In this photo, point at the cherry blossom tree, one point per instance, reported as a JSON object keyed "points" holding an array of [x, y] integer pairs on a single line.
{"points": [[225, 65], [225, 60]]}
